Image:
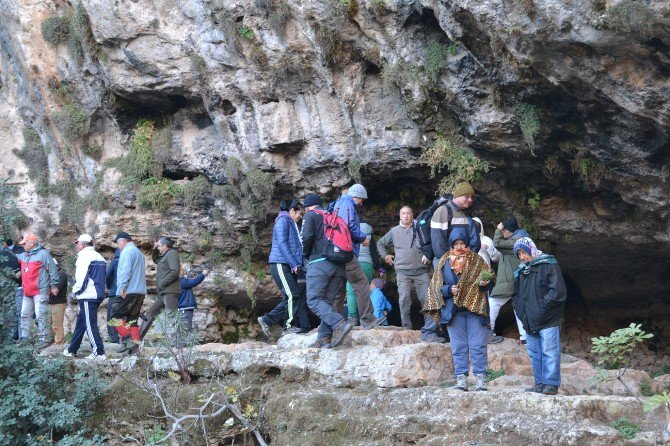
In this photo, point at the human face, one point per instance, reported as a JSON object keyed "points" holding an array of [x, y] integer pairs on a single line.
{"points": [[162, 248], [29, 245], [296, 214], [80, 246], [524, 256], [121, 243], [464, 201], [507, 233], [406, 216], [358, 201], [459, 244]]}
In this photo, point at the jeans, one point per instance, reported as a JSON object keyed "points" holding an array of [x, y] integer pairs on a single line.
{"points": [[352, 306], [495, 304], [469, 334], [544, 349], [87, 324], [39, 306], [324, 280], [111, 331], [406, 282]]}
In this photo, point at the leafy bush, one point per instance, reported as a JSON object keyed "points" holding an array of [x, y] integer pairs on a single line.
{"points": [[434, 59], [136, 166], [92, 150], [330, 43], [665, 370], [261, 184], [625, 428], [280, 13], [56, 29], [156, 194], [71, 121], [461, 163], [343, 9], [196, 191], [34, 155], [528, 116], [494, 374], [590, 170], [354, 168], [614, 351], [246, 32]]}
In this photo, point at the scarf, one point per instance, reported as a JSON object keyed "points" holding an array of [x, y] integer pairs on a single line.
{"points": [[528, 245], [458, 259], [524, 268], [470, 296]]}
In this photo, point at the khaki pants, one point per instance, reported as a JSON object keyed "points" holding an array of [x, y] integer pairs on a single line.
{"points": [[166, 301], [57, 316], [357, 278]]}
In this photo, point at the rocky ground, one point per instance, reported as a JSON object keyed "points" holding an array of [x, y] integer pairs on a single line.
{"points": [[385, 387]]}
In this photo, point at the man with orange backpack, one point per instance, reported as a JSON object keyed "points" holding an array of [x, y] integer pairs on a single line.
{"points": [[326, 270]]}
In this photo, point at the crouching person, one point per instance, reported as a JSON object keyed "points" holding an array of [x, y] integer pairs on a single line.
{"points": [[539, 299], [324, 278]]}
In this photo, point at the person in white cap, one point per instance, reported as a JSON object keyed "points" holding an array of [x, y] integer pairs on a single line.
{"points": [[89, 288]]}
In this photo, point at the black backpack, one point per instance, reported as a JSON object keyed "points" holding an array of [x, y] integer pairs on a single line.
{"points": [[421, 225]]}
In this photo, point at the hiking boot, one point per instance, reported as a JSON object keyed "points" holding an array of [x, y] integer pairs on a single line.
{"points": [[493, 339], [353, 320], [321, 343], [434, 339], [292, 330], [550, 390], [67, 353], [481, 382], [264, 326], [340, 331], [133, 348], [462, 382], [373, 323], [537, 388], [123, 342]]}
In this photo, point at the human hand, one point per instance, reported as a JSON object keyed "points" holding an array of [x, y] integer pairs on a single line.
{"points": [[366, 242], [454, 290], [54, 290], [484, 283], [205, 272], [123, 294], [389, 259], [425, 260], [295, 270], [485, 246], [500, 226]]}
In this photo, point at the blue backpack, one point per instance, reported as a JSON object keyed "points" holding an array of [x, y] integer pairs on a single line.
{"points": [[97, 271]]}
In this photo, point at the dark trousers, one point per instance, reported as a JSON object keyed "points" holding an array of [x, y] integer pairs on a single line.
{"points": [[293, 307], [87, 323], [324, 280], [168, 301], [111, 331], [128, 309]]}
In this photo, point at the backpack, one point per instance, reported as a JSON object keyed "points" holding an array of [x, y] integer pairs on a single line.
{"points": [[97, 271], [340, 247], [421, 225]]}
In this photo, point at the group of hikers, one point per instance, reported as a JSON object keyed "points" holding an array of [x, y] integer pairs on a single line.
{"points": [[442, 254]]}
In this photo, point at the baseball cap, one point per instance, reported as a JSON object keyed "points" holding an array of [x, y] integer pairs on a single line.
{"points": [[84, 238], [123, 235]]}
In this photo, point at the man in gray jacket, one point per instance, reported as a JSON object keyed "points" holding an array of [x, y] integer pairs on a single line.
{"points": [[412, 270], [167, 282]]}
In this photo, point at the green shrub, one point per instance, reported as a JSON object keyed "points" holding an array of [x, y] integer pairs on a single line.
{"points": [[552, 164], [625, 428], [136, 166], [533, 198], [614, 351], [261, 184], [330, 43], [92, 150], [590, 170], [665, 370], [81, 37], [259, 57], [434, 59], [156, 194], [246, 32], [343, 9], [71, 121], [354, 168], [494, 374], [460, 162], [645, 388], [528, 116], [56, 29], [280, 13], [196, 191]]}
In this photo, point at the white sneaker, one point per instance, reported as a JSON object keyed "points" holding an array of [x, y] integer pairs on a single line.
{"points": [[67, 353], [96, 357]]}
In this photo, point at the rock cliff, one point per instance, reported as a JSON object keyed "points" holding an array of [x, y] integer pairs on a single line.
{"points": [[193, 118]]}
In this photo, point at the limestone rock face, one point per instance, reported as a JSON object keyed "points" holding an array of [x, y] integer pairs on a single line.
{"points": [[568, 103]]}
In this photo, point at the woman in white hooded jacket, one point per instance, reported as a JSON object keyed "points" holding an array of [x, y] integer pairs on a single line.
{"points": [[488, 252]]}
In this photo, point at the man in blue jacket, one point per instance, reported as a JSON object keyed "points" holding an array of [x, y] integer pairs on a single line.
{"points": [[345, 207]]}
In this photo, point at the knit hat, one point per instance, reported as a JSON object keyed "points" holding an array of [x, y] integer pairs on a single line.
{"points": [[378, 283], [461, 189], [527, 245], [510, 223], [312, 200], [358, 191]]}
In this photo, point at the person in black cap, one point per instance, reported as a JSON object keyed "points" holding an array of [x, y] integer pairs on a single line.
{"points": [[286, 267], [324, 278], [506, 234]]}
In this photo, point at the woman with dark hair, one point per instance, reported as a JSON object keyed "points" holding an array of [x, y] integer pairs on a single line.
{"points": [[286, 267]]}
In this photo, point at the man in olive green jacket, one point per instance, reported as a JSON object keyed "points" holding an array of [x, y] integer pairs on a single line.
{"points": [[167, 282]]}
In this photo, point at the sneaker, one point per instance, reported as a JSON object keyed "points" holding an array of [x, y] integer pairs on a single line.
{"points": [[292, 330], [353, 320], [67, 353], [265, 327], [521, 342], [373, 323], [493, 339], [537, 388], [481, 382], [434, 339], [96, 357], [550, 390], [340, 331], [321, 343], [462, 382]]}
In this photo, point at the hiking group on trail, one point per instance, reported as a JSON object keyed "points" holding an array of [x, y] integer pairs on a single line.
{"points": [[316, 249]]}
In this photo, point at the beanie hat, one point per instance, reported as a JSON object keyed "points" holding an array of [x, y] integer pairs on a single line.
{"points": [[463, 188], [358, 191], [378, 283], [312, 200], [510, 223]]}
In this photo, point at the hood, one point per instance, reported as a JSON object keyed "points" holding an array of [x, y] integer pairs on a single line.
{"points": [[348, 198], [284, 214], [459, 233], [366, 228], [481, 226], [520, 233], [117, 253]]}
